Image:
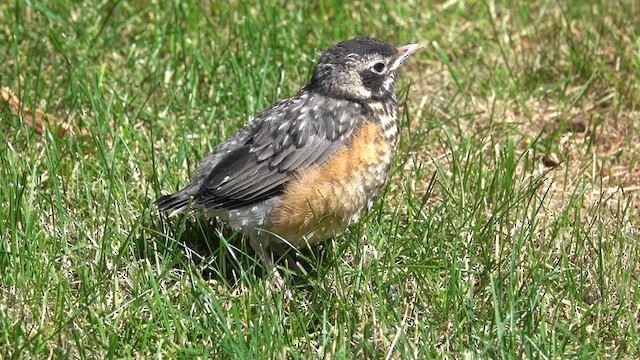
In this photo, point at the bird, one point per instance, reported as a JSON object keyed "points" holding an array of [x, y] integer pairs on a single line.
{"points": [[307, 167]]}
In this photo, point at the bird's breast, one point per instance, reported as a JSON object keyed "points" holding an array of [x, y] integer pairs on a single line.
{"points": [[323, 199]]}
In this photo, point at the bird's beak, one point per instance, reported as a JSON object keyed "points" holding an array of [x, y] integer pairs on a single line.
{"points": [[404, 52]]}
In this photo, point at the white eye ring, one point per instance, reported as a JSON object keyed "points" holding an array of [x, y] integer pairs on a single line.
{"points": [[378, 68]]}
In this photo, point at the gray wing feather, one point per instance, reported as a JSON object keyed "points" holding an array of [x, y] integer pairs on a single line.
{"points": [[256, 164]]}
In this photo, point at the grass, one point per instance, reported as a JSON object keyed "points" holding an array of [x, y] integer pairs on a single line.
{"points": [[509, 228]]}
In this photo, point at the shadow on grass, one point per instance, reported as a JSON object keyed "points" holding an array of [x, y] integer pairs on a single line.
{"points": [[218, 253]]}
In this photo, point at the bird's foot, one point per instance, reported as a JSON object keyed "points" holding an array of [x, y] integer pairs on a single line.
{"points": [[281, 285]]}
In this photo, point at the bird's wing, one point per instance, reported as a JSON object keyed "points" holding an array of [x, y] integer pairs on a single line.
{"points": [[287, 137]]}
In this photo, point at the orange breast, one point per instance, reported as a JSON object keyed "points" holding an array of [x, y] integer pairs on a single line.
{"points": [[323, 199]]}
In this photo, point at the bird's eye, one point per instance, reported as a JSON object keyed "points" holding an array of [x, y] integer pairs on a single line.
{"points": [[378, 68]]}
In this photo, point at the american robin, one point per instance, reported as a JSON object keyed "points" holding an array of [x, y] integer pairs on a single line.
{"points": [[307, 167]]}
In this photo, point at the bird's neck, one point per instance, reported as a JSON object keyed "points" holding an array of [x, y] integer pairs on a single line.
{"points": [[386, 112]]}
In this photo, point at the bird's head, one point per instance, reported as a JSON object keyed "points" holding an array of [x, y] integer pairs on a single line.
{"points": [[360, 69]]}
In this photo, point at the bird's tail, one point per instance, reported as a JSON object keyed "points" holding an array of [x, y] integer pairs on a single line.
{"points": [[176, 203]]}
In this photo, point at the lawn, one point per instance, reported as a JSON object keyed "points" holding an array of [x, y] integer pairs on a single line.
{"points": [[509, 227]]}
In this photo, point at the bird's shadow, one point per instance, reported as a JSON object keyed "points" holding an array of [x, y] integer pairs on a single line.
{"points": [[219, 253]]}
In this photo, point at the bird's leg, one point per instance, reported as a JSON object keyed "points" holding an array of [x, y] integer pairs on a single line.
{"points": [[260, 242], [292, 259]]}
